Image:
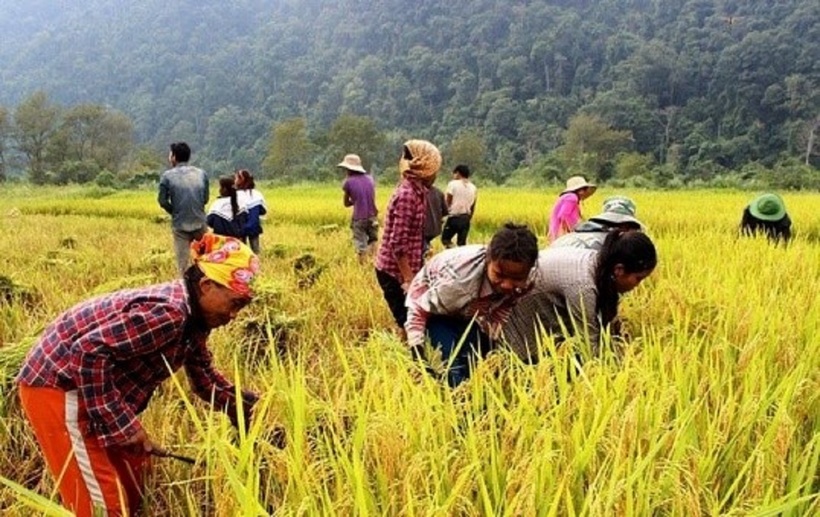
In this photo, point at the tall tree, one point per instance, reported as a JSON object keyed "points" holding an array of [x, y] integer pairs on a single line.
{"points": [[93, 133], [289, 151], [359, 135], [35, 121], [468, 148], [591, 145], [5, 138]]}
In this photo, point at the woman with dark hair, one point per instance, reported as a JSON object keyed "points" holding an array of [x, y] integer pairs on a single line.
{"points": [[577, 291], [224, 216], [252, 202], [469, 290]]}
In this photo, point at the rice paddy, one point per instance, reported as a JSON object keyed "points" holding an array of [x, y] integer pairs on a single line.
{"points": [[713, 410]]}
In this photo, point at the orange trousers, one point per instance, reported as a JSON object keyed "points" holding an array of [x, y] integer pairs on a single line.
{"points": [[89, 476]]}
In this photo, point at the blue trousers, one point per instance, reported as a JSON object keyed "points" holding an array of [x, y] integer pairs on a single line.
{"points": [[461, 344]]}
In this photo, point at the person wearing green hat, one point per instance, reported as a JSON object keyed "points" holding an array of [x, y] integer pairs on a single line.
{"points": [[766, 214], [618, 213]]}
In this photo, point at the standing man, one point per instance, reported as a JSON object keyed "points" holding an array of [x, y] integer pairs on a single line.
{"points": [[183, 193], [360, 193], [461, 198], [402, 246]]}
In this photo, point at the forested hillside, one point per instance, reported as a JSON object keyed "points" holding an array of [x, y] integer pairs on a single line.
{"points": [[690, 89]]}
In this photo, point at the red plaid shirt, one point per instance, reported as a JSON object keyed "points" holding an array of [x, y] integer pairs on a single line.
{"points": [[403, 229], [116, 349]]}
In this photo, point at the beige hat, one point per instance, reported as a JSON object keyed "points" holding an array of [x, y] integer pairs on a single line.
{"points": [[352, 162], [577, 183], [420, 159]]}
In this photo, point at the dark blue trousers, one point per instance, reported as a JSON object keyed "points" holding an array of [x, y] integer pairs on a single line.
{"points": [[459, 350]]}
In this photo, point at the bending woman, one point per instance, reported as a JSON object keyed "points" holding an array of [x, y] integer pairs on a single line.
{"points": [[469, 290], [577, 291]]}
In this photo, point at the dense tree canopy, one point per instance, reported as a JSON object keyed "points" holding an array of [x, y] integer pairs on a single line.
{"points": [[703, 86]]}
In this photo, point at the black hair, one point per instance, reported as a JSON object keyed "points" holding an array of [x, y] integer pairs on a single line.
{"points": [[463, 170], [635, 252], [192, 276], [514, 242], [244, 180], [181, 151], [227, 189]]}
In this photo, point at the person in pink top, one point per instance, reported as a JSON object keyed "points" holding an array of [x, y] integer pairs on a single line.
{"points": [[567, 211]]}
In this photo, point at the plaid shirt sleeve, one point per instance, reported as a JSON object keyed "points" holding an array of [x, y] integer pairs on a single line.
{"points": [[210, 385], [407, 221], [139, 331]]}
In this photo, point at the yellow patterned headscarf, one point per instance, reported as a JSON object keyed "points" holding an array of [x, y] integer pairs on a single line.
{"points": [[226, 261], [419, 159]]}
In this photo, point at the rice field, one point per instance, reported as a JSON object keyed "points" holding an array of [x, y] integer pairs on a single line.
{"points": [[713, 410]]}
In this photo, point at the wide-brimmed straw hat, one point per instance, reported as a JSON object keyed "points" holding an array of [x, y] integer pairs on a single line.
{"points": [[576, 183], [352, 162], [768, 207]]}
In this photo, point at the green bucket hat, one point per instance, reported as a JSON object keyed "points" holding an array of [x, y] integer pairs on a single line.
{"points": [[621, 205], [767, 207], [618, 210]]}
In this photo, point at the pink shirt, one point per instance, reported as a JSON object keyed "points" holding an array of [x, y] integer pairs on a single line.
{"points": [[565, 215]]}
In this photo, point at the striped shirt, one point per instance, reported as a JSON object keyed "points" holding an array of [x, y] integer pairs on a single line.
{"points": [[116, 349], [563, 300], [454, 282], [403, 229]]}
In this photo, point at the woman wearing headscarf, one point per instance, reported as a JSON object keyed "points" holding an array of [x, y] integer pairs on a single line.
{"points": [[577, 291], [566, 212], [97, 365], [401, 251]]}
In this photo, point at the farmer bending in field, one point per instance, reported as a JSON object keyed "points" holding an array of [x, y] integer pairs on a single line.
{"points": [[618, 213], [97, 365], [577, 291], [401, 252], [462, 295], [766, 215]]}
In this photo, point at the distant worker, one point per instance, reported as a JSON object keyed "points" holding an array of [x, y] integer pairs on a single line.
{"points": [[360, 192], [461, 297], [401, 251], [183, 193], [566, 212], [618, 213], [252, 203], [224, 216], [767, 215], [434, 217], [460, 196]]}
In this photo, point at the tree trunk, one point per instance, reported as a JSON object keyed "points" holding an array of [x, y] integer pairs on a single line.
{"points": [[810, 144]]}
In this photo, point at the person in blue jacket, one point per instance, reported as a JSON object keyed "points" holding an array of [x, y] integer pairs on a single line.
{"points": [[252, 202]]}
